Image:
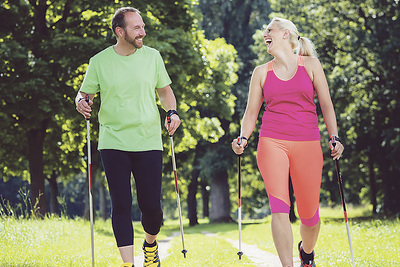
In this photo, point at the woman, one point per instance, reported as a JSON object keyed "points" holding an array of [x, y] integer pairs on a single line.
{"points": [[289, 135]]}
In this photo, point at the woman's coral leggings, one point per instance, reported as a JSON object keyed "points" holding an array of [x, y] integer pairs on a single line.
{"points": [[304, 159]]}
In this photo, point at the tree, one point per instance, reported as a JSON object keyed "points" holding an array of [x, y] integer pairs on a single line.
{"points": [[235, 21], [39, 44]]}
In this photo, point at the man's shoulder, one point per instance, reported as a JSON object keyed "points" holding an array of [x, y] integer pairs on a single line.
{"points": [[149, 50], [102, 54]]}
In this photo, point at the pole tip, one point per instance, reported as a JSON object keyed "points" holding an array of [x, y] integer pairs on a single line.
{"points": [[184, 251], [240, 253]]}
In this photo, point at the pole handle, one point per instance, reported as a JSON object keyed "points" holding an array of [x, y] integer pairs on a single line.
{"points": [[333, 141], [87, 101]]}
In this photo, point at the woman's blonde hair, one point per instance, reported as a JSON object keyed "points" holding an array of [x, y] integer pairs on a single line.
{"points": [[302, 45]]}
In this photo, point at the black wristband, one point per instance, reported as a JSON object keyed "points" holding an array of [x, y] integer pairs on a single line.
{"points": [[172, 112], [82, 98]]}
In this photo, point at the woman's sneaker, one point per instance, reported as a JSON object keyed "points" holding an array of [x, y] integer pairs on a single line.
{"points": [[127, 264], [151, 258], [307, 263]]}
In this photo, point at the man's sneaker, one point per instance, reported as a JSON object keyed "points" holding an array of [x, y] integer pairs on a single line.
{"points": [[127, 264], [151, 258], [310, 263]]}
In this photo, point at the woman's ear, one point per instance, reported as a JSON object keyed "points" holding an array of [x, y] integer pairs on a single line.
{"points": [[286, 34]]}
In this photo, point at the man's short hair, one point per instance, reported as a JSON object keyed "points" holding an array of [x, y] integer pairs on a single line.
{"points": [[118, 19]]}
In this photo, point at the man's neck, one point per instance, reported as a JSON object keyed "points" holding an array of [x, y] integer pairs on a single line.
{"points": [[124, 50]]}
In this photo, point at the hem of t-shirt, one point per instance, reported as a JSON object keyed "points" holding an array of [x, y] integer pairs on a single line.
{"points": [[131, 149], [169, 83]]}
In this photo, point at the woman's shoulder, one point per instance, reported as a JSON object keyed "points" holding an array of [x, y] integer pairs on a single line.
{"points": [[262, 68], [311, 61], [312, 64]]}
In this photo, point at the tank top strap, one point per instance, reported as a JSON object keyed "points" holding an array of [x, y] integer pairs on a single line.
{"points": [[270, 66], [300, 61]]}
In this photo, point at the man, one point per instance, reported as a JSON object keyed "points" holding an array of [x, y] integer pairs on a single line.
{"points": [[127, 76]]}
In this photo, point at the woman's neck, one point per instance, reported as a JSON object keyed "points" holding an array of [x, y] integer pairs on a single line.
{"points": [[285, 60]]}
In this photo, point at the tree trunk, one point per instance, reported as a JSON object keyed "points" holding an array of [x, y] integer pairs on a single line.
{"points": [[191, 199], [205, 194], [372, 184], [390, 181], [54, 193], [35, 158], [220, 203]]}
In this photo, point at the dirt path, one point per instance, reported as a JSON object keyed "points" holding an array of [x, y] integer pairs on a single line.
{"points": [[257, 256]]}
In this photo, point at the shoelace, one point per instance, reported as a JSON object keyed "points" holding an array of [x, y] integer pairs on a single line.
{"points": [[150, 256]]}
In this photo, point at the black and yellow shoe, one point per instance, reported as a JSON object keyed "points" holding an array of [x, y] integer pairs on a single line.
{"points": [[151, 258]]}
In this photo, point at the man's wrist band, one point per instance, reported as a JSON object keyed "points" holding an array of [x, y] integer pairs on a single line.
{"points": [[172, 112], [82, 98]]}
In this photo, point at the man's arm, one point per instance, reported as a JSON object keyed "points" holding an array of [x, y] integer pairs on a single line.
{"points": [[168, 101]]}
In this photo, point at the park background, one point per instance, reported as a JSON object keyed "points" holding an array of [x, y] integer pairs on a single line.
{"points": [[210, 48]]}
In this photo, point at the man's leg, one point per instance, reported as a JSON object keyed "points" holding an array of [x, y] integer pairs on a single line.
{"points": [[147, 171], [117, 166]]}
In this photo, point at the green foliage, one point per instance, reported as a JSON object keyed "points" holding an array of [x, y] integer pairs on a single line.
{"points": [[204, 104], [42, 44], [235, 21]]}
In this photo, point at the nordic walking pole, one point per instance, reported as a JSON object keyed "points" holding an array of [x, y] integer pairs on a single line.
{"points": [[90, 181], [340, 181], [184, 251], [240, 253]]}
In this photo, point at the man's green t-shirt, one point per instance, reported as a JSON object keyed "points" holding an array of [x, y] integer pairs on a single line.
{"points": [[128, 116]]}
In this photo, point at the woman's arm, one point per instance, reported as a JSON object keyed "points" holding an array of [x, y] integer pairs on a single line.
{"points": [[325, 101], [254, 103]]}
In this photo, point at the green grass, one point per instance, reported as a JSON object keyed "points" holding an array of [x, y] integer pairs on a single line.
{"points": [[66, 242]]}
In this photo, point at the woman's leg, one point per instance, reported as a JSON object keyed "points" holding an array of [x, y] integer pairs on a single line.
{"points": [[283, 237], [309, 236], [306, 163], [273, 163]]}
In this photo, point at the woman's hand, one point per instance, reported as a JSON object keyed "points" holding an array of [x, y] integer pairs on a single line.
{"points": [[239, 144], [337, 149]]}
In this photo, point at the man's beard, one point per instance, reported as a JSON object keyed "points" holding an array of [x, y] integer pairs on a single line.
{"points": [[133, 41]]}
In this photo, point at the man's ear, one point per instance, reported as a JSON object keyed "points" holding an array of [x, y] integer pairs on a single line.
{"points": [[120, 31]]}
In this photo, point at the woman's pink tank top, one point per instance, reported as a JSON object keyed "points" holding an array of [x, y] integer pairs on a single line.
{"points": [[290, 113]]}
